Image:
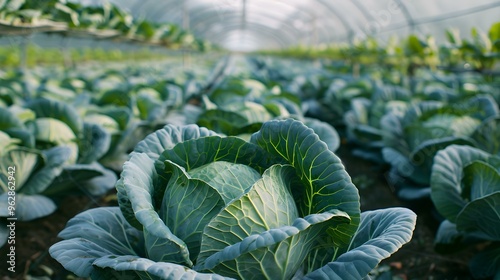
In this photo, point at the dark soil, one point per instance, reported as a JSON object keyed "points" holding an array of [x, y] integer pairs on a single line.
{"points": [[416, 260]]}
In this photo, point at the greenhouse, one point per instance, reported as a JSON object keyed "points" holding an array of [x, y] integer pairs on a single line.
{"points": [[249, 139]]}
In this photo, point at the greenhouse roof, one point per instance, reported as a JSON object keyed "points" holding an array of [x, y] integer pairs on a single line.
{"points": [[268, 24]]}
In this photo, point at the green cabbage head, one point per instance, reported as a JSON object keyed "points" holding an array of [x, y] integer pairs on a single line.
{"points": [[195, 205]]}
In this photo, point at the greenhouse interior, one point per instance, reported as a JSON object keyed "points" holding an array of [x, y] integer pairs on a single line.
{"points": [[202, 139]]}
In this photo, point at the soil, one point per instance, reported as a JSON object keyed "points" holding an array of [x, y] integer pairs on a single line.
{"points": [[415, 260]]}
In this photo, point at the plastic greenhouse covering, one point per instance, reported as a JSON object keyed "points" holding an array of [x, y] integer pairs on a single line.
{"points": [[250, 139]]}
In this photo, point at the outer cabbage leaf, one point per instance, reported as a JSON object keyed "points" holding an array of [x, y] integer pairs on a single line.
{"points": [[488, 209], [138, 181], [380, 234], [105, 227], [197, 152], [94, 144], [277, 109], [398, 161], [283, 105], [393, 134], [14, 127], [363, 123], [28, 207], [54, 161], [481, 179], [93, 234], [46, 108], [100, 185], [369, 136], [482, 107], [34, 173], [9, 120], [8, 143], [186, 115], [106, 122], [150, 109], [154, 144], [133, 267], [487, 135], [57, 133], [25, 162], [26, 137], [122, 116], [251, 111], [77, 255], [53, 131], [116, 97], [91, 179], [421, 158], [449, 239]]}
